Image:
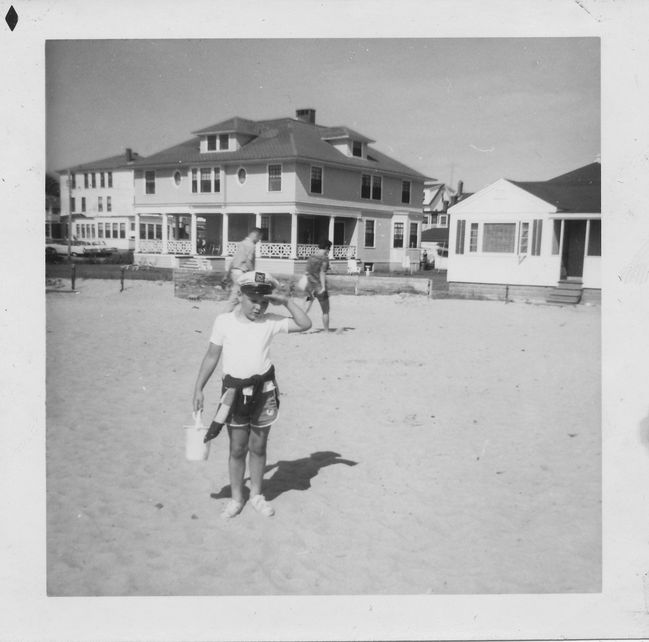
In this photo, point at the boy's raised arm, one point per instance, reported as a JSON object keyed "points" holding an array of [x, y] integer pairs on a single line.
{"points": [[300, 320]]}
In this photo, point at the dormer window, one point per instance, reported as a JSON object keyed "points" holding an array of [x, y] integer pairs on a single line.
{"points": [[357, 148], [211, 142], [224, 142]]}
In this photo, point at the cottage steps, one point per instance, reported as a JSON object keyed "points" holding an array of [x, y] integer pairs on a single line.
{"points": [[194, 263], [566, 292]]}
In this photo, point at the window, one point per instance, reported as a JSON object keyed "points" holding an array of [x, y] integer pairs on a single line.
{"points": [[102, 180], [376, 188], [499, 237], [357, 148], [414, 228], [459, 237], [143, 227], [211, 142], [149, 179], [194, 180], [537, 226], [122, 230], [473, 238], [83, 203], [100, 230], [109, 205], [443, 220], [94, 179], [397, 237], [85, 180], [523, 238], [316, 180], [73, 206], [595, 238], [74, 181], [206, 179], [405, 191], [369, 233], [241, 176], [556, 237], [265, 227], [177, 178], [366, 185], [217, 179], [224, 141], [115, 230], [158, 231], [274, 178], [110, 179], [100, 204]]}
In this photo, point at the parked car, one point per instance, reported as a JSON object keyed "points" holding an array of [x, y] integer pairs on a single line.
{"points": [[77, 248], [103, 249]]}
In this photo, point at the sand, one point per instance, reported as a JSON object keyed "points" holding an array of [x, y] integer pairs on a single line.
{"points": [[425, 447]]}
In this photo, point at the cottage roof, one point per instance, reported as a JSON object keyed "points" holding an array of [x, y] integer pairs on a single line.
{"points": [[112, 162], [232, 125], [279, 139], [576, 191], [435, 234]]}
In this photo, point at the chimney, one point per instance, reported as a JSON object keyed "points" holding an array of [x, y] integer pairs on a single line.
{"points": [[129, 155], [460, 187], [306, 115]]}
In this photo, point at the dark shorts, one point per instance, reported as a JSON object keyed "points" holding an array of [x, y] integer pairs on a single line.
{"points": [[266, 414], [315, 291]]}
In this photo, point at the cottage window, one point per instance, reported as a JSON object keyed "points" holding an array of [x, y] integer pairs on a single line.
{"points": [[523, 238], [206, 179], [397, 236], [499, 237], [405, 191], [473, 238], [369, 233], [85, 180], [459, 237], [357, 148], [73, 207], [102, 179], [110, 179], [177, 178], [241, 176], [211, 142], [194, 180], [100, 204], [556, 237], [122, 230], [83, 203], [73, 178], [100, 230], [366, 186], [595, 238], [115, 228], [414, 228], [265, 227], [224, 141], [93, 176], [149, 180], [316, 180], [107, 230], [376, 188], [217, 179], [537, 226], [274, 178]]}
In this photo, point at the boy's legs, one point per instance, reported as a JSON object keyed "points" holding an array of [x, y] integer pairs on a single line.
{"points": [[237, 460], [324, 306], [257, 447]]}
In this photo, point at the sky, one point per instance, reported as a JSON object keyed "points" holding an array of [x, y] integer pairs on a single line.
{"points": [[470, 109]]}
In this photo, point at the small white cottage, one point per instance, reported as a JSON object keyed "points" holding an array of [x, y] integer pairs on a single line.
{"points": [[537, 239]]}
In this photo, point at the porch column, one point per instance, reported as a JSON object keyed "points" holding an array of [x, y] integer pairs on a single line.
{"points": [[332, 220], [137, 232], [192, 232], [165, 235], [294, 235], [258, 245], [224, 249]]}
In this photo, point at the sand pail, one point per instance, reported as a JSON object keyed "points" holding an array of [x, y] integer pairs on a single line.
{"points": [[195, 449]]}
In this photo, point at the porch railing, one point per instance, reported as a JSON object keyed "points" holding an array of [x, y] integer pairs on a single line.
{"points": [[275, 250], [154, 246], [151, 246], [303, 250]]}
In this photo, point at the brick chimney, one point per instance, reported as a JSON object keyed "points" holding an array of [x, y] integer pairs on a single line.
{"points": [[306, 115], [129, 155]]}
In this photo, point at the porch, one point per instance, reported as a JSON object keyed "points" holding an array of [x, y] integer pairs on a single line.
{"points": [[162, 238]]}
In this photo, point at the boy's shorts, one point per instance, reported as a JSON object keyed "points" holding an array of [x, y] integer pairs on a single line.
{"points": [[266, 414]]}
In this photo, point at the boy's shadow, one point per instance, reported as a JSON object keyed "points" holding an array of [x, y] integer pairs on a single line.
{"points": [[293, 475]]}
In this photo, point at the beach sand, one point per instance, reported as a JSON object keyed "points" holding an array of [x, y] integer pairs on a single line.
{"points": [[425, 447]]}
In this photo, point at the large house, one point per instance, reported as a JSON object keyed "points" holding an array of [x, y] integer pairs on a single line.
{"points": [[97, 198], [300, 182], [526, 236]]}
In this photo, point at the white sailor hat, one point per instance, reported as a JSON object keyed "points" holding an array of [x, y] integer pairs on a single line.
{"points": [[259, 282]]}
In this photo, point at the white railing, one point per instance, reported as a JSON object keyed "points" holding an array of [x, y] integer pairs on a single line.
{"points": [[151, 246], [183, 246], [230, 248], [343, 252], [275, 250], [305, 250]]}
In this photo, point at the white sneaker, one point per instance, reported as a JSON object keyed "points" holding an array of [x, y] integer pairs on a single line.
{"points": [[232, 509], [262, 506]]}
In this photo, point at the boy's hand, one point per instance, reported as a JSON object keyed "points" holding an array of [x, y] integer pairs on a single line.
{"points": [[198, 401], [276, 298]]}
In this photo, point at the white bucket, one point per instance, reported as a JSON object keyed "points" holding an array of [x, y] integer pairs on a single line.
{"points": [[195, 449]]}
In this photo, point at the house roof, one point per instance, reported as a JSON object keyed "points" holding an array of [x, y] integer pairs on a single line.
{"points": [[435, 234], [112, 162], [576, 191], [236, 124], [279, 139]]}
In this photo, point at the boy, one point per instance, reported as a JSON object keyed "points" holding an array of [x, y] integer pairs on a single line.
{"points": [[316, 270], [242, 261], [243, 338]]}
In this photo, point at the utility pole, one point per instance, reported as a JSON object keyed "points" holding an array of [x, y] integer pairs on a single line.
{"points": [[69, 217]]}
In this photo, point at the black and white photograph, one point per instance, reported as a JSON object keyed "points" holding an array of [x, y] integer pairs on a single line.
{"points": [[325, 331]]}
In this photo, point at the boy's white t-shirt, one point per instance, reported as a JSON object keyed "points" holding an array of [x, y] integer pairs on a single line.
{"points": [[246, 344]]}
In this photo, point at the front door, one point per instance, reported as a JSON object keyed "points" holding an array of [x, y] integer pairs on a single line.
{"points": [[339, 233], [574, 248]]}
